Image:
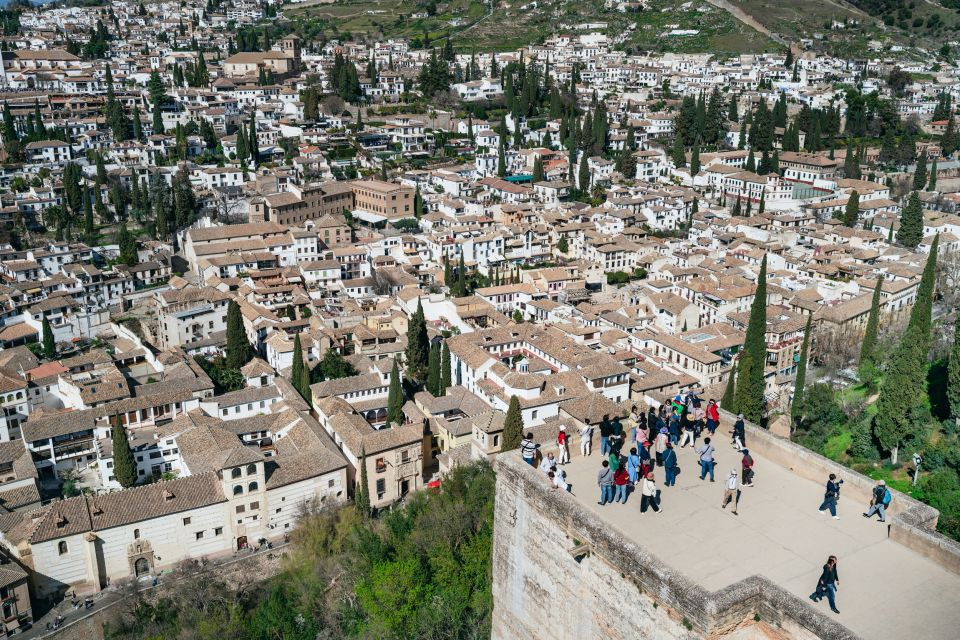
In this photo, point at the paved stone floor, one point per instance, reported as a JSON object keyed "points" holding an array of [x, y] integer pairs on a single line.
{"points": [[886, 590]]}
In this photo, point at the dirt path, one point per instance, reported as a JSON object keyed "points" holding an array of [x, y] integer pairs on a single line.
{"points": [[747, 19]]}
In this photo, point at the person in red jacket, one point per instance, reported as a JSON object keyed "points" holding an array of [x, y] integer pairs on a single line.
{"points": [[620, 480], [747, 463], [713, 416], [562, 446]]}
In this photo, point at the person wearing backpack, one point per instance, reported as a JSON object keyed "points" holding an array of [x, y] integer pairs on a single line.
{"points": [[880, 501]]}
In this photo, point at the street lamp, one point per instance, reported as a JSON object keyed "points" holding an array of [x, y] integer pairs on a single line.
{"points": [[917, 461]]}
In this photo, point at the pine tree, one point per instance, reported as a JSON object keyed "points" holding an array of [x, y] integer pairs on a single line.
{"points": [[751, 387], [296, 373], [868, 367], [920, 173], [362, 499], [49, 346], [796, 406], [512, 426], [728, 401], [124, 466], [953, 372], [239, 351], [418, 347], [395, 397], [433, 370], [851, 214], [445, 375], [562, 245], [911, 223]]}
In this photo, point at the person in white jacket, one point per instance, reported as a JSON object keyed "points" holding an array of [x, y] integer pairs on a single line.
{"points": [[730, 491], [648, 494], [586, 438]]}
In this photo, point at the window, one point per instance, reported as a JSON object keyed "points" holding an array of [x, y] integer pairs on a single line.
{"points": [[62, 547], [136, 534], [404, 456], [254, 506], [235, 473], [253, 486], [381, 487], [241, 508], [218, 531], [251, 469], [238, 489], [278, 510], [198, 535], [330, 483], [186, 521]]}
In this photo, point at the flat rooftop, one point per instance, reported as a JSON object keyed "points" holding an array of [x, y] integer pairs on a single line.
{"points": [[886, 590]]}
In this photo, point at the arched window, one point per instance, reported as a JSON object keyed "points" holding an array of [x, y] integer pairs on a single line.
{"points": [[252, 487], [236, 472], [251, 469], [136, 534], [62, 547], [238, 489]]}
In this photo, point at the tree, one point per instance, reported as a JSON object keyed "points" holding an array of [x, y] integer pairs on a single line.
{"points": [[501, 157], [678, 155], [239, 351], [851, 214], [910, 232], [920, 173], [296, 373], [333, 366], [395, 397], [729, 401], [583, 177], [869, 359], [124, 466], [49, 345], [562, 245], [953, 372], [418, 347], [932, 183], [751, 385], [737, 207], [127, 246], [445, 376], [418, 203], [362, 499], [433, 370], [695, 159], [512, 426], [796, 407]]}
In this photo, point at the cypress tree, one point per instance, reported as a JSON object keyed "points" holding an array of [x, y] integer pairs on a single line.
{"points": [[932, 184], [296, 373], [920, 174], [695, 159], [763, 201], [239, 350], [461, 277], [852, 212], [583, 177], [742, 399], [911, 223], [124, 466], [501, 158], [953, 372], [445, 377], [751, 164], [362, 500], [868, 357], [433, 371], [678, 156], [395, 397], [447, 271], [737, 210], [418, 347], [750, 392], [49, 346], [796, 407], [512, 426]]}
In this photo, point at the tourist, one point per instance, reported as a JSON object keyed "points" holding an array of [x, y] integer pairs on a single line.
{"points": [[586, 439], [528, 449], [605, 480], [563, 451], [643, 429], [747, 463], [660, 445], [648, 494], [739, 433], [705, 451], [880, 501], [560, 481], [713, 416], [730, 492], [616, 436], [831, 495], [614, 461], [605, 436], [670, 465], [688, 428], [548, 464], [633, 465], [829, 584], [620, 480], [674, 428]]}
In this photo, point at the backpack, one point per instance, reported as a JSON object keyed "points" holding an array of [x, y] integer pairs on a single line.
{"points": [[887, 497]]}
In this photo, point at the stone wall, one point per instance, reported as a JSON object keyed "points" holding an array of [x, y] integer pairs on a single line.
{"points": [[615, 589]]}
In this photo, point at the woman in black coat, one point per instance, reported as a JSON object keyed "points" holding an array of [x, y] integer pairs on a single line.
{"points": [[828, 584]]}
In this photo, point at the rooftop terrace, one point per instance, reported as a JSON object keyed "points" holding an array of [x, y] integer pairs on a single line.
{"points": [[886, 589]]}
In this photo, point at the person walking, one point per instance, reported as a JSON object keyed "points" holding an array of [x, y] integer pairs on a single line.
{"points": [[831, 495], [564, 452], [730, 491], [586, 439], [648, 494], [670, 465], [633, 465], [605, 480], [880, 501], [707, 463], [747, 463], [660, 445], [713, 416], [828, 584], [528, 449], [739, 433], [620, 481]]}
